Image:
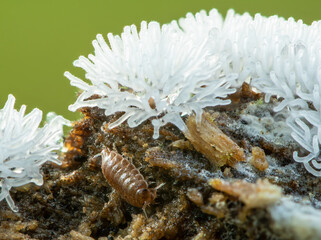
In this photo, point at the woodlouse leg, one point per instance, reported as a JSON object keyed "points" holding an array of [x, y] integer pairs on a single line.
{"points": [[144, 207], [97, 155], [159, 186]]}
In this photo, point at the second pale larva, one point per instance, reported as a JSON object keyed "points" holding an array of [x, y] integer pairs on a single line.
{"points": [[126, 179]]}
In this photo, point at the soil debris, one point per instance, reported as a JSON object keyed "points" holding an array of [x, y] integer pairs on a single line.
{"points": [[259, 160], [255, 195], [208, 139]]}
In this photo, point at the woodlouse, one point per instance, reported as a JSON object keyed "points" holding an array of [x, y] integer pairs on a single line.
{"points": [[126, 179]]}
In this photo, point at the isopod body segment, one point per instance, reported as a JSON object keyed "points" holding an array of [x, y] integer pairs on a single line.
{"points": [[126, 179]]}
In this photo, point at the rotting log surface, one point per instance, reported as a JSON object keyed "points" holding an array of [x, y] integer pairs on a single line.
{"points": [[200, 200]]}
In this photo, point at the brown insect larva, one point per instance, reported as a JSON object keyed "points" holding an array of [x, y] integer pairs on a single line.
{"points": [[125, 178]]}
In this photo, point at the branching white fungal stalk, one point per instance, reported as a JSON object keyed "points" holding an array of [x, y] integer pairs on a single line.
{"points": [[289, 67], [230, 39], [24, 147], [158, 73], [280, 57], [187, 65]]}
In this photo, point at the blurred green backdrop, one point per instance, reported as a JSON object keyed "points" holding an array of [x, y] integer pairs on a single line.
{"points": [[39, 39]]}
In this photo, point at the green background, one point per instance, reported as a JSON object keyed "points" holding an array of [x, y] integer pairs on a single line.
{"points": [[39, 39]]}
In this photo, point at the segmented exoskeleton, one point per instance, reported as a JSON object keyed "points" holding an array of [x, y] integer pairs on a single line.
{"points": [[126, 179]]}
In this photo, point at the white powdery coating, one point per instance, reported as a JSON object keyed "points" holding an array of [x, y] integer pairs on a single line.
{"points": [[24, 147], [295, 220], [281, 57], [159, 65]]}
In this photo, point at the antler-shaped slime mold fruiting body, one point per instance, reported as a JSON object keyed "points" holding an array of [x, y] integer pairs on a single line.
{"points": [[165, 72], [157, 64], [24, 147]]}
